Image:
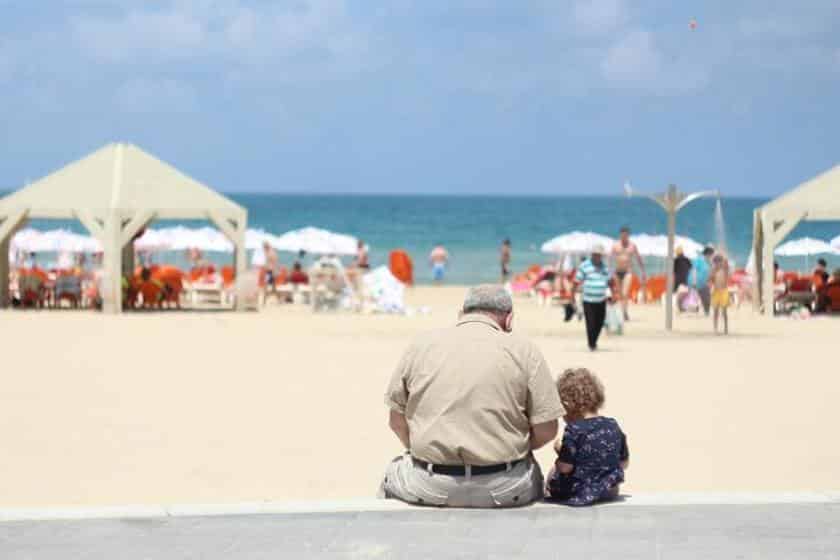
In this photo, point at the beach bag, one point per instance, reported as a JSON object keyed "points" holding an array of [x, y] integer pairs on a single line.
{"points": [[614, 320], [691, 302]]}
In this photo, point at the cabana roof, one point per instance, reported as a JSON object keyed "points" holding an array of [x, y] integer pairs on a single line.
{"points": [[116, 192], [814, 200], [817, 199], [119, 177]]}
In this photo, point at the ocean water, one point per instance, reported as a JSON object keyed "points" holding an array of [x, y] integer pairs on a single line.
{"points": [[472, 228]]}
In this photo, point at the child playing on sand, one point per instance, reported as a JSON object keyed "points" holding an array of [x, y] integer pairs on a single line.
{"points": [[719, 283], [593, 455]]}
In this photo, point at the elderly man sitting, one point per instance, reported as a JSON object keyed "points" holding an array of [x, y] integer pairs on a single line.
{"points": [[470, 403]]}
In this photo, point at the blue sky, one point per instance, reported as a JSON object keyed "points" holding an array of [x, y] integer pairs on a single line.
{"points": [[431, 96]]}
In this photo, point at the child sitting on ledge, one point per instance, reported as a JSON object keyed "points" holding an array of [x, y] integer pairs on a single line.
{"points": [[593, 455]]}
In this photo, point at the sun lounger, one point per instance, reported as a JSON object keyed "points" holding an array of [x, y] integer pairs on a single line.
{"points": [[206, 292], [32, 292], [68, 288], [799, 292]]}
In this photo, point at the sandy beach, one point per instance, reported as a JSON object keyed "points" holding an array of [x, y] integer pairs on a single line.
{"points": [[284, 404]]}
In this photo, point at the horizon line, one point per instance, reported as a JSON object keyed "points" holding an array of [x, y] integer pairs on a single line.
{"points": [[403, 194]]}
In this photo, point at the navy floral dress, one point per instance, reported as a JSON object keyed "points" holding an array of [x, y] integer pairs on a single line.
{"points": [[596, 447]]}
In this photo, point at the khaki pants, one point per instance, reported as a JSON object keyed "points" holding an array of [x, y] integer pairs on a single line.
{"points": [[406, 481]]}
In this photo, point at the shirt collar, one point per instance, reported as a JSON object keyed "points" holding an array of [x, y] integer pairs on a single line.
{"points": [[478, 318]]}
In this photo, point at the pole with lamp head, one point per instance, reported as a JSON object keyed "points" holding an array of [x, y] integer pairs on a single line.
{"points": [[672, 201]]}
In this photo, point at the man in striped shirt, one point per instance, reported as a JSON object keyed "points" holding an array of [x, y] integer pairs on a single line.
{"points": [[592, 280]]}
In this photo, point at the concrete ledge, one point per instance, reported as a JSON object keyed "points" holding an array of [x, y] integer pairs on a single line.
{"points": [[362, 505]]}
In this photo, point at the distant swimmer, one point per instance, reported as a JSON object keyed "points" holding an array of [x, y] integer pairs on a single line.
{"points": [[438, 258], [621, 260], [504, 259]]}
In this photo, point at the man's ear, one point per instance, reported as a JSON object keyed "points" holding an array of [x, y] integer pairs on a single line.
{"points": [[508, 322]]}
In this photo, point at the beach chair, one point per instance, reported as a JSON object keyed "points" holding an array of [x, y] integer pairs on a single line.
{"points": [[832, 293], [151, 294], [32, 292], [68, 287], [327, 287], [799, 292], [655, 288], [206, 290]]}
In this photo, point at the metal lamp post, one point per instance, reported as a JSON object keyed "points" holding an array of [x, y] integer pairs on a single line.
{"points": [[672, 201]]}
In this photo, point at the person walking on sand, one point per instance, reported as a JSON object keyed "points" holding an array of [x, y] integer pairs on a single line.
{"points": [[593, 279], [272, 263], [470, 403], [438, 258], [700, 274], [719, 280], [621, 259], [504, 259]]}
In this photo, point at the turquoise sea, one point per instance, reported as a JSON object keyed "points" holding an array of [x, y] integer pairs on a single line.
{"points": [[472, 227]]}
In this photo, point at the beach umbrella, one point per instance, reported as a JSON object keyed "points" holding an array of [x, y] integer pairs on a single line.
{"points": [[152, 240], [657, 245], [255, 238], [806, 246], [180, 238], [803, 247], [54, 241], [835, 244], [318, 241], [576, 242]]}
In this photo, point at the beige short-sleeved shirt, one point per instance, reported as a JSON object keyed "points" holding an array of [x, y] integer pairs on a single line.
{"points": [[470, 394]]}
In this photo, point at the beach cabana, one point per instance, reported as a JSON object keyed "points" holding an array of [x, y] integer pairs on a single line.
{"points": [[115, 192], [815, 200]]}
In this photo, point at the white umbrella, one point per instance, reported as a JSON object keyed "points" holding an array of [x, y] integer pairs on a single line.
{"points": [[318, 241], [657, 245], [835, 244], [152, 240], [803, 247], [54, 241], [179, 238], [205, 238], [576, 242], [255, 238]]}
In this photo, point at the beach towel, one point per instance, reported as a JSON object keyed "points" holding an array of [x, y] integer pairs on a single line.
{"points": [[385, 291]]}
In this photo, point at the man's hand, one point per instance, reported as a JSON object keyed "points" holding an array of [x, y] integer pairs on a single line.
{"points": [[543, 433], [399, 426]]}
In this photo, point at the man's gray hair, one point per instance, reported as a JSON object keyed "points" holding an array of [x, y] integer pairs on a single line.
{"points": [[488, 297]]}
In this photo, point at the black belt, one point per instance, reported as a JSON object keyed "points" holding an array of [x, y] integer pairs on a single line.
{"points": [[461, 470]]}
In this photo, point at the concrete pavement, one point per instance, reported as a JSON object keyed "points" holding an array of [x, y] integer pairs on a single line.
{"points": [[784, 531]]}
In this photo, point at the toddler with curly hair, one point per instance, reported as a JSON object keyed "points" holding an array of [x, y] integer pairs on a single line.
{"points": [[593, 455]]}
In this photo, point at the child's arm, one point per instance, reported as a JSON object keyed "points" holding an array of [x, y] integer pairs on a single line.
{"points": [[565, 449], [563, 468], [625, 453]]}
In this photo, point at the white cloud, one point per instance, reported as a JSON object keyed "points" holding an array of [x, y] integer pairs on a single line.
{"points": [[633, 60], [155, 96], [599, 17], [636, 62], [162, 34]]}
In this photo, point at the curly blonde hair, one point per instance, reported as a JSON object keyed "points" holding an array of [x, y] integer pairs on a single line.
{"points": [[580, 391]]}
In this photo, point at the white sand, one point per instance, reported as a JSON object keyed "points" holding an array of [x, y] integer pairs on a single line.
{"points": [[151, 408]]}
